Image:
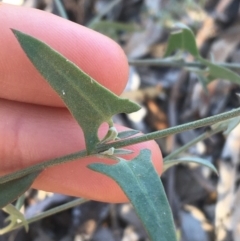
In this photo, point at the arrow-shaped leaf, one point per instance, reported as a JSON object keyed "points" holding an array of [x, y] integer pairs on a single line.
{"points": [[11, 190], [182, 39], [90, 103], [142, 185], [215, 71], [190, 159]]}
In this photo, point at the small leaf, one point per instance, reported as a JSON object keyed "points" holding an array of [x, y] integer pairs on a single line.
{"points": [[108, 152], [114, 153], [216, 71], [90, 103], [122, 152], [232, 123], [174, 42], [126, 134], [111, 135], [11, 190], [14, 216], [184, 160], [182, 39], [227, 125], [142, 185]]}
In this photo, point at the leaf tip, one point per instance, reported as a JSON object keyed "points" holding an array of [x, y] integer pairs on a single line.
{"points": [[15, 32]]}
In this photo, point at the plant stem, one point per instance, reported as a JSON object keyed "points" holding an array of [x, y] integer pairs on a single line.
{"points": [[178, 63], [193, 142], [122, 143], [50, 212], [107, 9], [173, 130], [42, 166]]}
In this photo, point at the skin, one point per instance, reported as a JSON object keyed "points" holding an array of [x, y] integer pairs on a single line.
{"points": [[35, 125]]}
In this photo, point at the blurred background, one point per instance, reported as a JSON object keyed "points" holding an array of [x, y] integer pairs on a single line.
{"points": [[205, 207]]}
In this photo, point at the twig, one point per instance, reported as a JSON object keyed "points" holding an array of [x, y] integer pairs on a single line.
{"points": [[50, 212], [107, 9], [122, 143], [191, 143], [178, 63]]}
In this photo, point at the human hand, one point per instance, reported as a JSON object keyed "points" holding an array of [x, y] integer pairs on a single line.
{"points": [[35, 126]]}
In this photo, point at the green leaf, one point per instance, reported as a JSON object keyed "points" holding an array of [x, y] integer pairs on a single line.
{"points": [[90, 103], [182, 39], [232, 123], [227, 125], [185, 160], [216, 71], [122, 152], [126, 134], [142, 185], [14, 216], [111, 135], [11, 190]]}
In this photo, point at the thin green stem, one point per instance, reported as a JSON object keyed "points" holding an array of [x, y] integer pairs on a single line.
{"points": [[81, 200], [42, 166], [107, 9], [173, 130], [178, 63], [193, 142], [122, 143], [50, 212]]}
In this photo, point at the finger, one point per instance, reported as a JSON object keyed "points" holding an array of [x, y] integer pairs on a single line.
{"points": [[94, 53], [31, 134]]}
